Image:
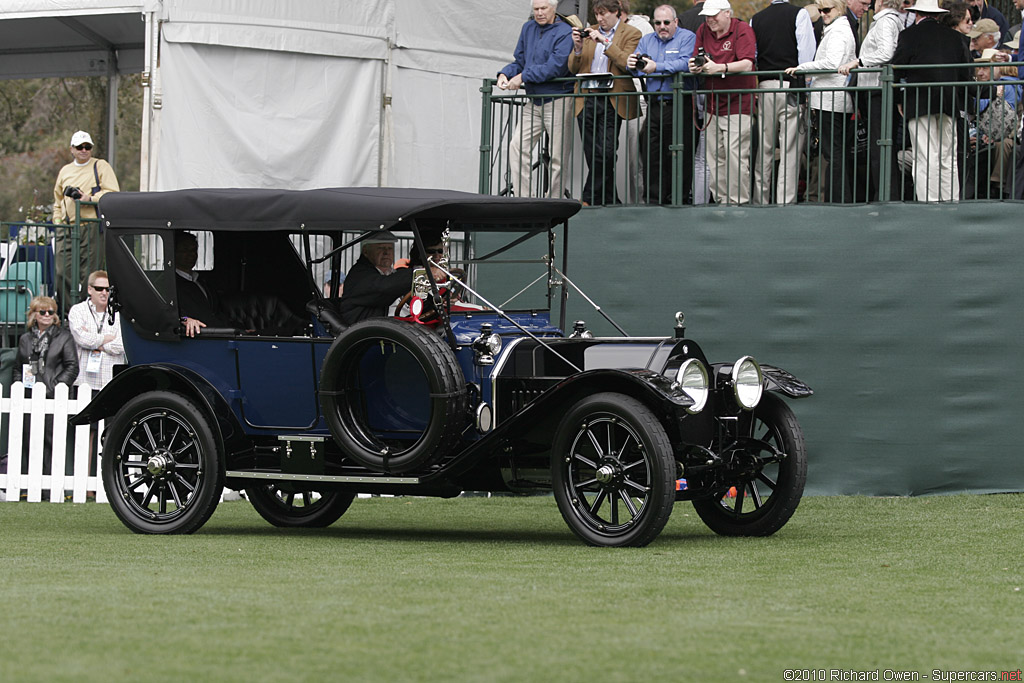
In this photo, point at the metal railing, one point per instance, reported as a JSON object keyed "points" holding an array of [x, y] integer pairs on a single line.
{"points": [[802, 143], [45, 259]]}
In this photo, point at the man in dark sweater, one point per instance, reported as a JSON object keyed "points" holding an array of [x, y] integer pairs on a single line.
{"points": [[372, 284], [785, 38], [930, 112]]}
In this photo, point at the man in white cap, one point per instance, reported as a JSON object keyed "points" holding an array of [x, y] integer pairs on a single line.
{"points": [[930, 112], [731, 48], [84, 179], [373, 284]]}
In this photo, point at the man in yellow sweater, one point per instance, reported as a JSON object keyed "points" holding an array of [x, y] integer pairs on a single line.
{"points": [[85, 179]]}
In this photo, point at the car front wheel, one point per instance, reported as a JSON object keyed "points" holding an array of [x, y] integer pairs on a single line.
{"points": [[161, 465], [283, 506], [613, 471], [760, 501]]}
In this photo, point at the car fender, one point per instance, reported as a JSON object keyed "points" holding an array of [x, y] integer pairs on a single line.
{"points": [[776, 379], [166, 377]]}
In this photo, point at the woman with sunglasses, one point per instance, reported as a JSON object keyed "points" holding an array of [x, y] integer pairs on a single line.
{"points": [[47, 351], [830, 109]]}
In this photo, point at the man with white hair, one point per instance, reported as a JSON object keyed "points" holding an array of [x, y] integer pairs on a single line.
{"points": [[985, 35], [730, 49], [930, 111], [541, 55], [373, 284]]}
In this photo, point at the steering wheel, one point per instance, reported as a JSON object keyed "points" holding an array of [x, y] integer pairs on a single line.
{"points": [[429, 313]]}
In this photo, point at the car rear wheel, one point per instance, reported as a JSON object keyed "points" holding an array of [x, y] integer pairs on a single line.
{"points": [[283, 506], [613, 471], [759, 504], [161, 464]]}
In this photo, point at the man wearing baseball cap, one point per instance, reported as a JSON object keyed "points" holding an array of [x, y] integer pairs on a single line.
{"points": [[730, 48], [373, 284], [84, 179]]}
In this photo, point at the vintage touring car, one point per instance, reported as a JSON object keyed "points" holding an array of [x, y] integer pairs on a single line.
{"points": [[459, 394]]}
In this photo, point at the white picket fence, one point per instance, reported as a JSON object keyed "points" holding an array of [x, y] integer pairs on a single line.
{"points": [[30, 480]]}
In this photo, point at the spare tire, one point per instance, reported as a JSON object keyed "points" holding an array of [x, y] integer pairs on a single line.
{"points": [[393, 395]]}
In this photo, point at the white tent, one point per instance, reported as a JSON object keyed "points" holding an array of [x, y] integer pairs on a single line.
{"points": [[264, 93]]}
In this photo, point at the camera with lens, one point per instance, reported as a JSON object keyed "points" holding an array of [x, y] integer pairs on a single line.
{"points": [[72, 192], [641, 61], [700, 59]]}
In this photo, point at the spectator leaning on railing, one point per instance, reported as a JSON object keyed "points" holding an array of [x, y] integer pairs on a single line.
{"points": [[668, 51], [877, 50], [731, 49], [541, 55], [929, 113], [603, 48], [831, 108]]}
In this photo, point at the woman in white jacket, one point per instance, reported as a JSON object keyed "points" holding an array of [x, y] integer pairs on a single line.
{"points": [[831, 109]]}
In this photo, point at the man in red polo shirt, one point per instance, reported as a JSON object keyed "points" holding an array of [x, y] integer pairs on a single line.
{"points": [[731, 49]]}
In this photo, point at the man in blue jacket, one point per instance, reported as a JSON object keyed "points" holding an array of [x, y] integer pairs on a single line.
{"points": [[668, 51], [541, 55]]}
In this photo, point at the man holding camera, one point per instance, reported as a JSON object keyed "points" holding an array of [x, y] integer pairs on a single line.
{"points": [[730, 49], [661, 55], [84, 179], [603, 48]]}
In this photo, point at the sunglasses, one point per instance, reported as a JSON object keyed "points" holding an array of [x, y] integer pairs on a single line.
{"points": [[84, 145], [825, 10], [435, 251], [45, 312], [663, 23], [100, 289]]}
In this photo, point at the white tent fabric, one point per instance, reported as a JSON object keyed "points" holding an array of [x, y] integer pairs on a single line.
{"points": [[261, 93], [264, 93]]}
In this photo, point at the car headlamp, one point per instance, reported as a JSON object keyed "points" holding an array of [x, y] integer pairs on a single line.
{"points": [[486, 345], [747, 382], [692, 380]]}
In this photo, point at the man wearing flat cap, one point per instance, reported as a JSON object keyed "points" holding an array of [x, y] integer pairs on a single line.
{"points": [[930, 112], [372, 284]]}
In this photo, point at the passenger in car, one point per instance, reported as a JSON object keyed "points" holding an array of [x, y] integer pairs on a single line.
{"points": [[196, 304], [372, 284]]}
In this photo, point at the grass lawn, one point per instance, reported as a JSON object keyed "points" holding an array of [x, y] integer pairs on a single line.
{"points": [[499, 589]]}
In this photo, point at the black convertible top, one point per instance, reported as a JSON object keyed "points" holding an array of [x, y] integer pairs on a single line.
{"points": [[354, 208]]}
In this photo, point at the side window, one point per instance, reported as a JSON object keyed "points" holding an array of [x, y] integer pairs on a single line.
{"points": [[148, 250], [319, 245]]}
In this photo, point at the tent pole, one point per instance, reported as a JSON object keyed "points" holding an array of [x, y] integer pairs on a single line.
{"points": [[147, 104], [113, 81]]}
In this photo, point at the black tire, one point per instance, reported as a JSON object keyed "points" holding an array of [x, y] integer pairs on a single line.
{"points": [[344, 405], [283, 506], [763, 503], [613, 471], [161, 464]]}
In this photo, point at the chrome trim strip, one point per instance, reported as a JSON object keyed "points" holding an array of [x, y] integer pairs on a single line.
{"points": [[339, 479]]}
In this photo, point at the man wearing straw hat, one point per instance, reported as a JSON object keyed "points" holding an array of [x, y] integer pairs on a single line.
{"points": [[929, 111]]}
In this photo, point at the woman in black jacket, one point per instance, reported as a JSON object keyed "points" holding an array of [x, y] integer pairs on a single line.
{"points": [[47, 351], [46, 354]]}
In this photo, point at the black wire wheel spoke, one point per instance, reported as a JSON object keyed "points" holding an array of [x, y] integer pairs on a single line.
{"points": [[765, 491], [161, 465], [284, 505], [613, 471]]}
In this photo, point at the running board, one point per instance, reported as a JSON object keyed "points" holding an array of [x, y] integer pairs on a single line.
{"points": [[327, 478]]}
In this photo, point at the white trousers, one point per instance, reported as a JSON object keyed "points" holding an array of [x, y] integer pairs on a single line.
{"points": [[933, 138], [778, 126], [554, 118], [728, 158]]}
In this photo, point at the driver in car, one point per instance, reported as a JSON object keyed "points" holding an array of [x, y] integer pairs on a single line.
{"points": [[373, 284]]}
